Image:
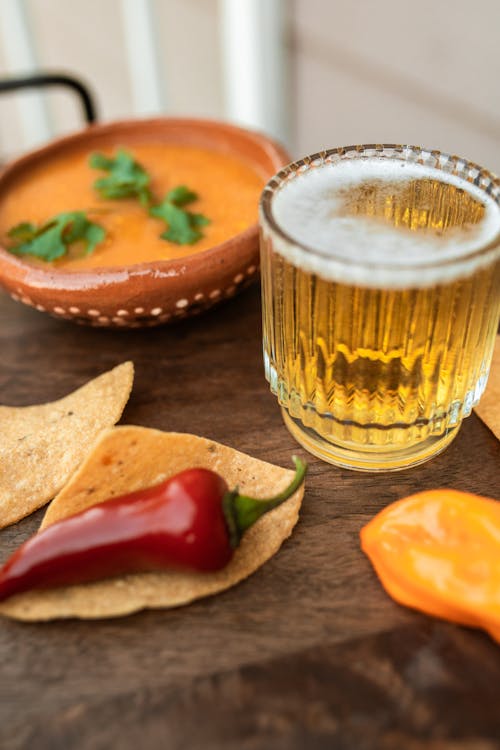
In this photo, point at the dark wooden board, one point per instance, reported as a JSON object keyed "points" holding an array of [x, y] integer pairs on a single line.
{"points": [[307, 653]]}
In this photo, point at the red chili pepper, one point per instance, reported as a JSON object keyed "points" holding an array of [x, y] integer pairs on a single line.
{"points": [[189, 521]]}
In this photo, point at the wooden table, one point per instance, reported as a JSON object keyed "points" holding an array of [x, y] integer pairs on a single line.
{"points": [[307, 653]]}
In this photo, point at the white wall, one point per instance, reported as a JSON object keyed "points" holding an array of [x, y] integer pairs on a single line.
{"points": [[86, 37], [425, 72]]}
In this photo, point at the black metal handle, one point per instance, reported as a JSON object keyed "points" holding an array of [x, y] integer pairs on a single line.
{"points": [[54, 79]]}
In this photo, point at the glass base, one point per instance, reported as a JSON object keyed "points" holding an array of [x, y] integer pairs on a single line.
{"points": [[363, 460]]}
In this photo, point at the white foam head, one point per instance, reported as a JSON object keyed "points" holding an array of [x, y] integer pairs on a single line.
{"points": [[310, 208]]}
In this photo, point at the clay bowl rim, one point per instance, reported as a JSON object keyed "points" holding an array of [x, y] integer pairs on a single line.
{"points": [[109, 274]]}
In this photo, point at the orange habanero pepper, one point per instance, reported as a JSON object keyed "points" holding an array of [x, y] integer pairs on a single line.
{"points": [[439, 552]]}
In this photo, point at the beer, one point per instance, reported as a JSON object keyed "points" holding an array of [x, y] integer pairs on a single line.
{"points": [[381, 300]]}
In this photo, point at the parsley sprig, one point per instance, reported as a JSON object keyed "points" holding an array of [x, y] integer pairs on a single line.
{"points": [[126, 178], [55, 238], [183, 226]]}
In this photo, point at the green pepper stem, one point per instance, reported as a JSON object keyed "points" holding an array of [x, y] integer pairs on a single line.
{"points": [[242, 511]]}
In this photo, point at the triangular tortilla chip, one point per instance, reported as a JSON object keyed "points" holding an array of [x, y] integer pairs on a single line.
{"points": [[131, 458], [41, 446], [488, 408]]}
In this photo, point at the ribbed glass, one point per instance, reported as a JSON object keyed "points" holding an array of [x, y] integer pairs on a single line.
{"points": [[372, 377]]}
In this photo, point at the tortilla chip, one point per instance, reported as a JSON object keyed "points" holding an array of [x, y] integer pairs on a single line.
{"points": [[41, 446], [489, 406], [131, 458]]}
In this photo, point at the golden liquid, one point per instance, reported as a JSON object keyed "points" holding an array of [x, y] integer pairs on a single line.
{"points": [[376, 371]]}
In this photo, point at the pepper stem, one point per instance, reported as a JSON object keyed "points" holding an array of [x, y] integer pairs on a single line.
{"points": [[242, 511]]}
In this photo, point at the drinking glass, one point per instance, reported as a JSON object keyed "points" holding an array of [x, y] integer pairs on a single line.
{"points": [[379, 324]]}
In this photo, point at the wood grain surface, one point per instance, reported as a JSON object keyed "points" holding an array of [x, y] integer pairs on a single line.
{"points": [[307, 653]]}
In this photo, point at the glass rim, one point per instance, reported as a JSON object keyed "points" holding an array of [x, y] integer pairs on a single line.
{"points": [[468, 171]]}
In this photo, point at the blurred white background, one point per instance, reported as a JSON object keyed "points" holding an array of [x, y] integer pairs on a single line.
{"points": [[315, 73]]}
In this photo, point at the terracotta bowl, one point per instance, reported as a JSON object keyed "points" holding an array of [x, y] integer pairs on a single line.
{"points": [[144, 294]]}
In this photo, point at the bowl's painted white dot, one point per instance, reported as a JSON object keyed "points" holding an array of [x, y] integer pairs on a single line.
{"points": [[182, 303], [238, 278], [157, 311], [41, 308], [121, 313], [103, 319], [214, 294], [251, 270], [59, 310], [16, 297], [26, 300], [139, 310], [119, 321], [230, 290], [93, 313], [198, 297], [74, 310]]}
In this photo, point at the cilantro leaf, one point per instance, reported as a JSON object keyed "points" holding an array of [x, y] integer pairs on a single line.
{"points": [[23, 232], [53, 239], [99, 161], [180, 229], [181, 196], [183, 226], [199, 220], [126, 178]]}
